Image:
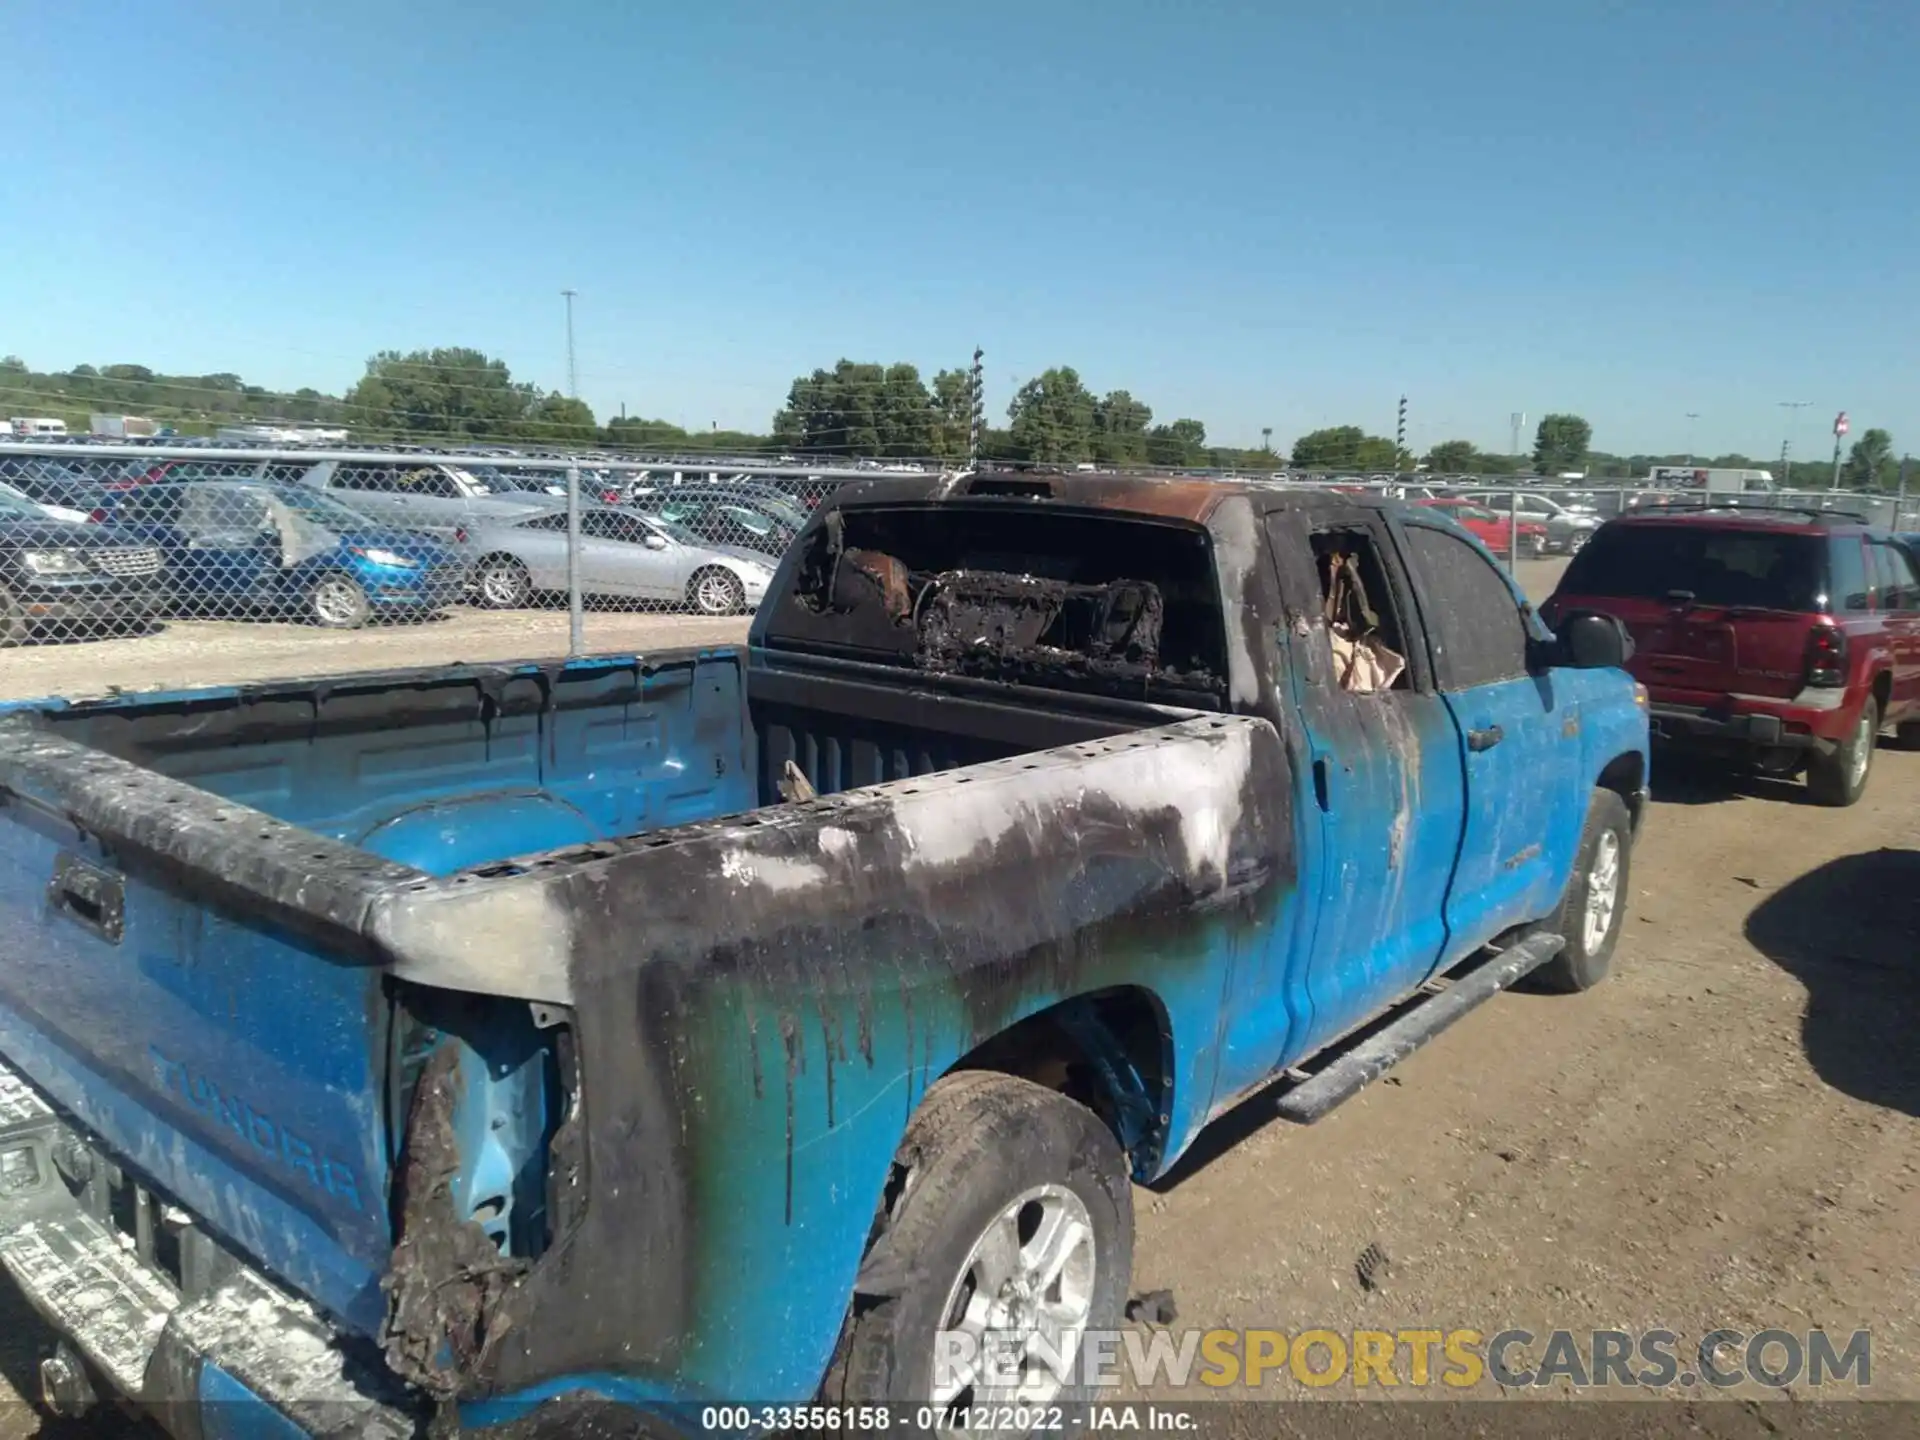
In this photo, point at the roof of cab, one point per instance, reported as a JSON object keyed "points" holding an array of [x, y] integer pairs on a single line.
{"points": [[1162, 496]]}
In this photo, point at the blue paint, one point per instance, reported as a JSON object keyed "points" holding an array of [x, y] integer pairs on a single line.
{"points": [[231, 1411], [243, 1070]]}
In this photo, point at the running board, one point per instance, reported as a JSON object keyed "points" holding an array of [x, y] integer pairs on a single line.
{"points": [[1367, 1061]]}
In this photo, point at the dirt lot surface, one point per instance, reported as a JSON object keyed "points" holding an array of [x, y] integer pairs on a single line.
{"points": [[1726, 1134]]}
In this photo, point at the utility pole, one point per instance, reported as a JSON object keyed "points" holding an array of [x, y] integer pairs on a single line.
{"points": [[573, 375], [1692, 415], [1266, 438], [976, 409], [1400, 437], [1518, 420], [1839, 429], [1786, 445]]}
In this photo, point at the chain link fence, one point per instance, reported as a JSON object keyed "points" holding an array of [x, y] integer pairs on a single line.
{"points": [[183, 565]]}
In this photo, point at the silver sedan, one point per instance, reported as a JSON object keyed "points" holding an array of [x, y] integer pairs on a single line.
{"points": [[623, 555]]}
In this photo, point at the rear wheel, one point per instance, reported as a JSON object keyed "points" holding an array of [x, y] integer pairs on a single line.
{"points": [[503, 583], [336, 602], [1840, 777], [1595, 901], [714, 591], [1577, 541], [1014, 1219]]}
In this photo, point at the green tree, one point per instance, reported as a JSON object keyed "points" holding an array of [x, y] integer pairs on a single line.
{"points": [[1560, 444], [1343, 447], [12, 365], [1120, 425], [1051, 419], [952, 414], [1870, 464], [857, 409], [560, 420], [1182, 444], [1451, 457], [452, 392], [906, 414]]}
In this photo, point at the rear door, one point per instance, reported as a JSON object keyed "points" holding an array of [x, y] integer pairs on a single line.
{"points": [[1382, 795], [1517, 733]]}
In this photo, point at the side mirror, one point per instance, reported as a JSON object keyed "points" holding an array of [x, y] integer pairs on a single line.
{"points": [[655, 542], [1590, 641]]}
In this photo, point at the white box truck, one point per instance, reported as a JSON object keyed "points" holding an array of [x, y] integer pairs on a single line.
{"points": [[122, 427], [1706, 481]]}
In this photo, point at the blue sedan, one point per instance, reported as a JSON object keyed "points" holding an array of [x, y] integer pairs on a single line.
{"points": [[244, 549]]}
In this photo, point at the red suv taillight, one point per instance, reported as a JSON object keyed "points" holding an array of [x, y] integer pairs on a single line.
{"points": [[97, 517], [1827, 657], [460, 535]]}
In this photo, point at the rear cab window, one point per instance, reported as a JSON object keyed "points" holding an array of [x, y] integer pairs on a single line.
{"points": [[1105, 603], [1745, 567]]}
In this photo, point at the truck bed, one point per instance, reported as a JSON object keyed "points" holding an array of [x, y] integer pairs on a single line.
{"points": [[210, 897]]}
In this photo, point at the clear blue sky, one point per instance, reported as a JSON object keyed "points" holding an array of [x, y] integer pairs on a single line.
{"points": [[1252, 213]]}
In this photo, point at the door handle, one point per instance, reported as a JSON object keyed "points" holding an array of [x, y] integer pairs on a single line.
{"points": [[1485, 739]]}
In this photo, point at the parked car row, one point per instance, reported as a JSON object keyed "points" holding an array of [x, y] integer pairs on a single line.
{"points": [[261, 548]]}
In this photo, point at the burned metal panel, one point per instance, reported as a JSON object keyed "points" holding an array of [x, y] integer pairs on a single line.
{"points": [[762, 1003]]}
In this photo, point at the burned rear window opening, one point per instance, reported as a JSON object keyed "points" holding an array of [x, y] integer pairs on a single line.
{"points": [[1114, 604]]}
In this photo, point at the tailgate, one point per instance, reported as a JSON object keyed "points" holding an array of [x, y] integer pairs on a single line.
{"points": [[1736, 652], [185, 978]]}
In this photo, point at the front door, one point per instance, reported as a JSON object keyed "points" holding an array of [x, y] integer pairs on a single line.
{"points": [[1515, 730]]}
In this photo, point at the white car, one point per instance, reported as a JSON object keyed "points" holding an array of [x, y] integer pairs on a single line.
{"points": [[52, 512]]}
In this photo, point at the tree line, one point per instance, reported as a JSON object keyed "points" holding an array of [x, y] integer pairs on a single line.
{"points": [[856, 409]]}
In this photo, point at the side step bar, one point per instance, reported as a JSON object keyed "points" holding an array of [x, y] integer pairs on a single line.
{"points": [[1367, 1061]]}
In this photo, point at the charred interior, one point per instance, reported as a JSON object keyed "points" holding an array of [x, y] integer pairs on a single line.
{"points": [[1117, 604]]}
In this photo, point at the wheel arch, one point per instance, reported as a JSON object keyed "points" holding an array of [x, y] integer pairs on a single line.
{"points": [[1626, 776], [1112, 1050]]}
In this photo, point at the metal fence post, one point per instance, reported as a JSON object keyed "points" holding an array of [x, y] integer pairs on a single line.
{"points": [[1513, 533], [576, 618]]}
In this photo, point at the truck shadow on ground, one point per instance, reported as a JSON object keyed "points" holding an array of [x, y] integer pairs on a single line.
{"points": [[1850, 932], [1691, 780]]}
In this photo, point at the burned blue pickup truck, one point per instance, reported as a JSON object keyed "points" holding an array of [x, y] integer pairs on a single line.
{"points": [[460, 1045]]}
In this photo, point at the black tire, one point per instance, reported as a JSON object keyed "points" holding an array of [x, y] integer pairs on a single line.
{"points": [[1588, 955], [502, 583], [337, 601], [716, 590], [1577, 541], [13, 624], [1840, 778], [979, 1142]]}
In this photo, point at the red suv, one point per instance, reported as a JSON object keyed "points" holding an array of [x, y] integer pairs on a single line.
{"points": [[1787, 637]]}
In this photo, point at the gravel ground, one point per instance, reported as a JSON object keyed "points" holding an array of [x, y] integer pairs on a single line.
{"points": [[1726, 1134], [225, 652]]}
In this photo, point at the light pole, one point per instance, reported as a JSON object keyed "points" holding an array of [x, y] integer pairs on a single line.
{"points": [[1692, 415], [1786, 445], [573, 375], [1266, 438]]}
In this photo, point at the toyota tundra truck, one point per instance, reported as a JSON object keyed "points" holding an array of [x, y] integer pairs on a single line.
{"points": [[454, 1047]]}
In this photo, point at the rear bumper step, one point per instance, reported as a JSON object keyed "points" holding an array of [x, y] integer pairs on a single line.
{"points": [[243, 1343], [1430, 1013]]}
